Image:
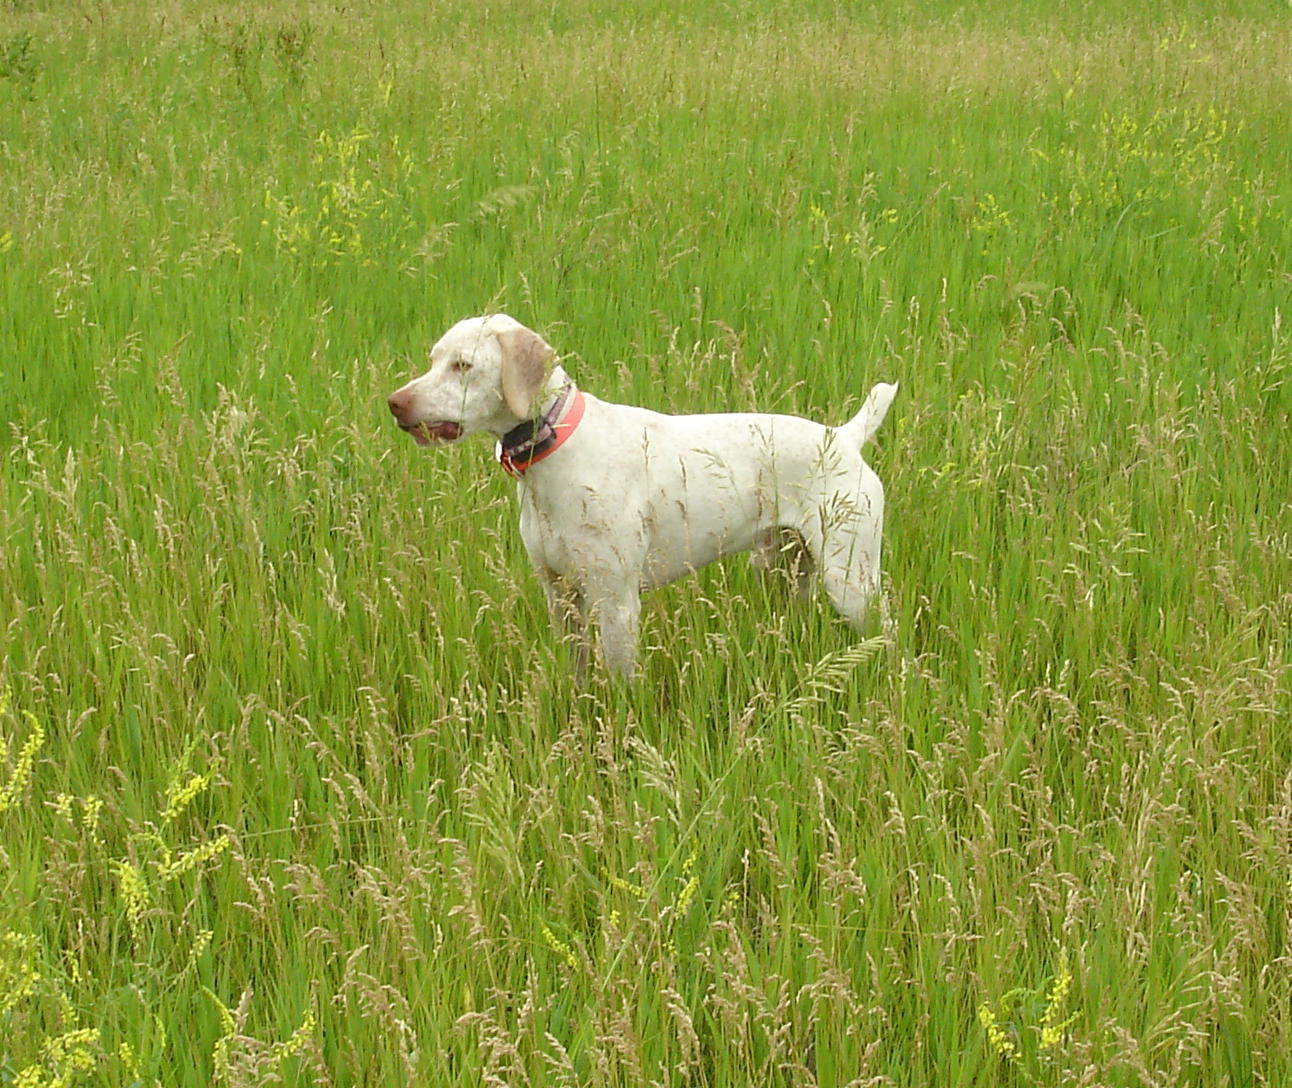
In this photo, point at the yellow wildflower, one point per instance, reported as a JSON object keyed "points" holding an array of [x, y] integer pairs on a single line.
{"points": [[997, 1037], [1051, 1027]]}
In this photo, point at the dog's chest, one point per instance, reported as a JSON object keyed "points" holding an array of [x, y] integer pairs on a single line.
{"points": [[577, 531]]}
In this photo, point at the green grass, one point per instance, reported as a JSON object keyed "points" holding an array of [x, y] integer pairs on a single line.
{"points": [[292, 785]]}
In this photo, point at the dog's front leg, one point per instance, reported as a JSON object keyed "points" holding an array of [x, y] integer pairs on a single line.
{"points": [[569, 619], [618, 616]]}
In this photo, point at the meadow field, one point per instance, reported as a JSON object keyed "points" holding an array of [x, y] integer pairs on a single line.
{"points": [[294, 785]]}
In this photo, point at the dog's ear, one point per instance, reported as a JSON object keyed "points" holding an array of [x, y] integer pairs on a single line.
{"points": [[526, 362]]}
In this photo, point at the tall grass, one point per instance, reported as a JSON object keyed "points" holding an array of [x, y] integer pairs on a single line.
{"points": [[293, 785]]}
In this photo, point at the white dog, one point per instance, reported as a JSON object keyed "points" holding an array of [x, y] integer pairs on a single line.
{"points": [[616, 499]]}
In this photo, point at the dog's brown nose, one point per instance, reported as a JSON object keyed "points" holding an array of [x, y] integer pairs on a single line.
{"points": [[399, 402]]}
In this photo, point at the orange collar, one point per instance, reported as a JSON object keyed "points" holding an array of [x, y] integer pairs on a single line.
{"points": [[533, 440]]}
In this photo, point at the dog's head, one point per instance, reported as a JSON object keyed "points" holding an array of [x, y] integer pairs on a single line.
{"points": [[485, 375]]}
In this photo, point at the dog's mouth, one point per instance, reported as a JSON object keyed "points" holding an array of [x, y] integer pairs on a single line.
{"points": [[426, 434]]}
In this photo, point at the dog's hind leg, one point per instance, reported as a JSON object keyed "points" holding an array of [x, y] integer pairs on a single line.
{"points": [[782, 550], [853, 589], [845, 543]]}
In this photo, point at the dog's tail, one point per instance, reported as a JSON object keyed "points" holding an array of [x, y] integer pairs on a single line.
{"points": [[858, 430]]}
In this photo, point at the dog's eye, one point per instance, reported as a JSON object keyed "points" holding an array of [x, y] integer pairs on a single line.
{"points": [[459, 366]]}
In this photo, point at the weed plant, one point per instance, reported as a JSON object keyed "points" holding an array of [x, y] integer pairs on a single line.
{"points": [[295, 788]]}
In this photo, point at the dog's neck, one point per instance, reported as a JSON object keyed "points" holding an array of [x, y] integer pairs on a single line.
{"points": [[557, 381]]}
